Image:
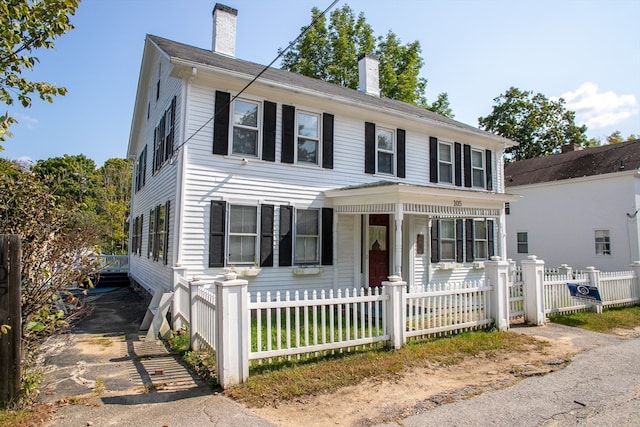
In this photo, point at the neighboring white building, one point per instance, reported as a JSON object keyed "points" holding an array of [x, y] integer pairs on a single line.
{"points": [[578, 208], [320, 186]]}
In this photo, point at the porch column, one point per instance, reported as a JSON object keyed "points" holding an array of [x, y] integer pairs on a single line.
{"points": [[397, 264], [502, 234]]}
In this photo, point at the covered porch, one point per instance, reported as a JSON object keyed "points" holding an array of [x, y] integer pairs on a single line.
{"points": [[420, 233]]}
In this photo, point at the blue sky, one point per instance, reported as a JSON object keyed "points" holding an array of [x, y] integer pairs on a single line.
{"points": [[587, 51]]}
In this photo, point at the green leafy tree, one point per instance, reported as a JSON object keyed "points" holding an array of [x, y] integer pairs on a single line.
{"points": [[331, 53], [25, 27], [616, 138], [56, 249], [72, 179], [113, 198], [540, 125]]}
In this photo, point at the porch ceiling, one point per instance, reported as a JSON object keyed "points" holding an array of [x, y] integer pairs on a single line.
{"points": [[389, 197]]}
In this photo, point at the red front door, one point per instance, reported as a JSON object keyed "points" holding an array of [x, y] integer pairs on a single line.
{"points": [[378, 246]]}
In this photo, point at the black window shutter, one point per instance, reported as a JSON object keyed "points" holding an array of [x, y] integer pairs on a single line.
{"points": [[288, 133], [286, 236], [156, 229], [489, 170], [327, 236], [144, 166], [433, 159], [217, 233], [467, 165], [369, 148], [457, 148], [468, 231], [490, 239], [327, 141], [221, 123], [269, 132], [266, 236], [155, 152], [167, 210], [140, 232], [401, 135], [435, 240], [459, 241]]}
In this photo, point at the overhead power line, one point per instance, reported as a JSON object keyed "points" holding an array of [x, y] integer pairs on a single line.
{"points": [[280, 53]]}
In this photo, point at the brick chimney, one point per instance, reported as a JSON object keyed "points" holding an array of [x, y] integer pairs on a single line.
{"points": [[567, 148], [224, 30], [368, 74]]}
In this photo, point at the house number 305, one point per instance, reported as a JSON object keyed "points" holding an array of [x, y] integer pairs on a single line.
{"points": [[457, 203]]}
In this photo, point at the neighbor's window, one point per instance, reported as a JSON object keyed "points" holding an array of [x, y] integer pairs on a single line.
{"points": [[603, 242], [523, 242], [307, 236], [447, 239], [477, 169], [245, 127], [308, 137], [385, 151], [480, 239], [445, 163], [243, 234]]}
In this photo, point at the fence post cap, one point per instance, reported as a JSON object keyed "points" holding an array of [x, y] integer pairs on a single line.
{"points": [[590, 268], [635, 264], [394, 278], [532, 257], [495, 258]]}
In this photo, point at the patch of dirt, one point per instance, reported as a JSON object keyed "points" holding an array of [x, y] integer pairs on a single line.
{"points": [[420, 390]]}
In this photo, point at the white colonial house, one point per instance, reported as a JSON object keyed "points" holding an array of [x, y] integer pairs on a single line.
{"points": [[580, 207], [297, 183]]}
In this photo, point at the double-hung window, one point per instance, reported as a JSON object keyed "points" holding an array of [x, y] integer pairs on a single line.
{"points": [[385, 151], [308, 137], [603, 242], [307, 236], [245, 127], [447, 239], [445, 162], [480, 240], [243, 234], [523, 242], [477, 169]]}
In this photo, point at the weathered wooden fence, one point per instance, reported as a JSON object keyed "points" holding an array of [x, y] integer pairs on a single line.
{"points": [[10, 319]]}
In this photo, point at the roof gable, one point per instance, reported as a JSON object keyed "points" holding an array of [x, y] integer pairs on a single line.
{"points": [[574, 164]]}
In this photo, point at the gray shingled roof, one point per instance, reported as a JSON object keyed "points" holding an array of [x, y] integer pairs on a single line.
{"points": [[574, 164], [180, 51]]}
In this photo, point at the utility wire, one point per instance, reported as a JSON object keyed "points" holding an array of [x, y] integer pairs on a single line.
{"points": [[280, 53]]}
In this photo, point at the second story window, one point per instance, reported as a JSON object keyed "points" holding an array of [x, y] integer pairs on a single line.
{"points": [[445, 163], [385, 151], [245, 127], [477, 169], [308, 138]]}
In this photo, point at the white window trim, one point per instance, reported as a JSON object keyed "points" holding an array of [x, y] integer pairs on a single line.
{"points": [[448, 239], [319, 139], [452, 163], [393, 152], [295, 237], [484, 240], [228, 233], [474, 168], [608, 241], [232, 126]]}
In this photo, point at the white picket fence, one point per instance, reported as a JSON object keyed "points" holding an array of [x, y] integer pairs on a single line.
{"points": [[447, 308], [616, 289], [242, 326], [312, 322]]}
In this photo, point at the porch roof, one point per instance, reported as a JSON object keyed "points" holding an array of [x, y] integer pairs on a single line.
{"points": [[436, 201]]}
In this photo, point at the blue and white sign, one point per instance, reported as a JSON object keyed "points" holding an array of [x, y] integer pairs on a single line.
{"points": [[584, 292]]}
